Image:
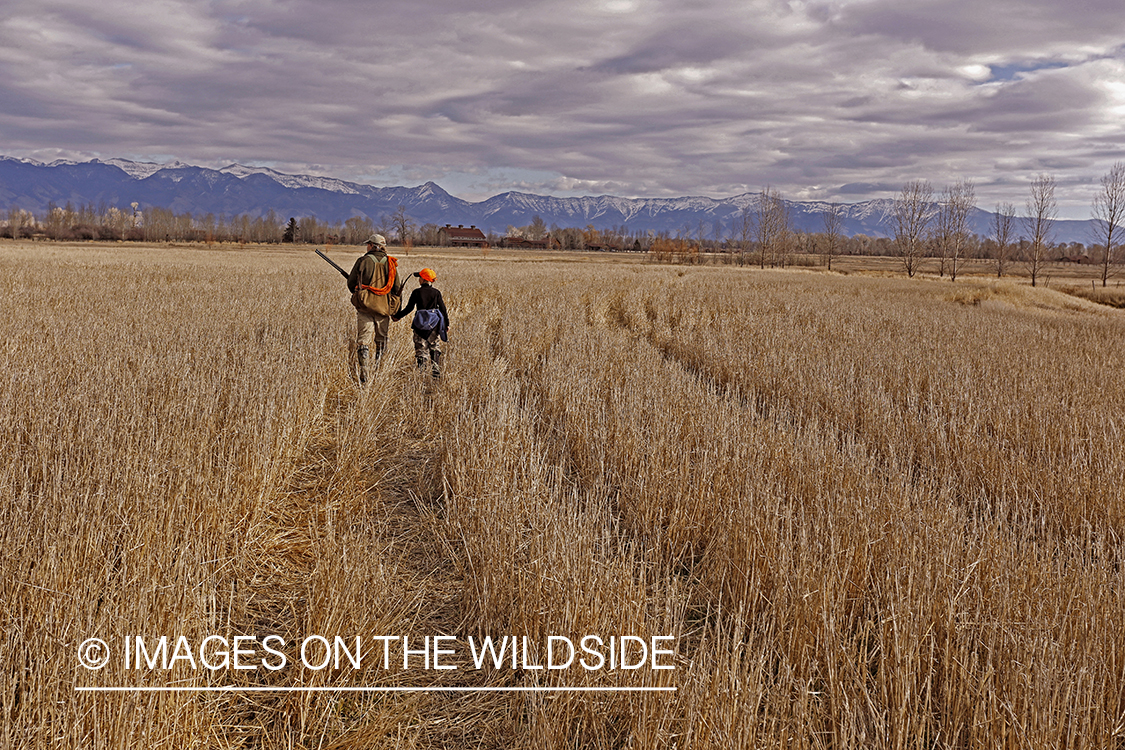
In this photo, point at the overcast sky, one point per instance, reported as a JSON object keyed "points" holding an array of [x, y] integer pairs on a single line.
{"points": [[640, 98]]}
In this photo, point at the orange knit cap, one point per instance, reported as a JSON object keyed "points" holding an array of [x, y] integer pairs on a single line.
{"points": [[427, 275]]}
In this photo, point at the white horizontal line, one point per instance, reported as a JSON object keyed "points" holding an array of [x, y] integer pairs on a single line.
{"points": [[430, 689]]}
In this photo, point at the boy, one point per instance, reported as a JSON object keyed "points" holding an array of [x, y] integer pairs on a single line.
{"points": [[431, 321]]}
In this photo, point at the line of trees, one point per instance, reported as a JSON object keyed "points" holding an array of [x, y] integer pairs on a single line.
{"points": [[104, 222], [155, 224], [924, 227]]}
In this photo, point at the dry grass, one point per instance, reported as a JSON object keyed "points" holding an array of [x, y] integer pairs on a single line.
{"points": [[1113, 296], [873, 512], [184, 457], [974, 291]]}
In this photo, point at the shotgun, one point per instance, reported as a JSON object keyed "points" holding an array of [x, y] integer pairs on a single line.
{"points": [[342, 271]]}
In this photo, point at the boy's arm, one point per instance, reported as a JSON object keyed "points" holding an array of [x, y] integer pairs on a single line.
{"points": [[409, 306]]}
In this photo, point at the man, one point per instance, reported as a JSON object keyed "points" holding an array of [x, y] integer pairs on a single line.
{"points": [[376, 295], [431, 321]]}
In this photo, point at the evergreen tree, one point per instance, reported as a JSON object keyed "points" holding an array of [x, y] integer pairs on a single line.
{"points": [[290, 231]]}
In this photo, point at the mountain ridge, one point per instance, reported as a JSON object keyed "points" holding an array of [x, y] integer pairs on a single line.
{"points": [[237, 189]]}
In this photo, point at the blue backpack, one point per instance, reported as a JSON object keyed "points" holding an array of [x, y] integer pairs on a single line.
{"points": [[427, 320]]}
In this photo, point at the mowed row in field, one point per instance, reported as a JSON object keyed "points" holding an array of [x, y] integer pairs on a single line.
{"points": [[871, 511]]}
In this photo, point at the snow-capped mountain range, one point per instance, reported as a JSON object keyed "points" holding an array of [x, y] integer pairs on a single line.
{"points": [[238, 189]]}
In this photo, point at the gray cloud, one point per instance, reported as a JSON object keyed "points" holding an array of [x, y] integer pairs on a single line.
{"points": [[636, 97], [997, 27]]}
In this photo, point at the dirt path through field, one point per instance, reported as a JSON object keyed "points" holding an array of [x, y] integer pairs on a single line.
{"points": [[365, 496]]}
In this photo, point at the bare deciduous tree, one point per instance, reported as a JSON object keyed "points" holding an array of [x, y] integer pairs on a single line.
{"points": [[356, 230], [1042, 210], [833, 217], [772, 230], [1109, 212], [1003, 228], [952, 225], [403, 226], [537, 229], [911, 214]]}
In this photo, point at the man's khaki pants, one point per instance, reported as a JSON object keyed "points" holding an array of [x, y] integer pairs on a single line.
{"points": [[370, 325]]}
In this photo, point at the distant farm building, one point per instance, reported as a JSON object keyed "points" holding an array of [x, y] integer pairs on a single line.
{"points": [[459, 236], [522, 243]]}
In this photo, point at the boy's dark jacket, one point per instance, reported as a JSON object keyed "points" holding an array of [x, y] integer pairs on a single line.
{"points": [[426, 297]]}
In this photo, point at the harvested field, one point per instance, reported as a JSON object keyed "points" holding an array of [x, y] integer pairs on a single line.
{"points": [[868, 511]]}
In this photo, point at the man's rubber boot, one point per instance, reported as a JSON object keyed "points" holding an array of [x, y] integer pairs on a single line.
{"points": [[361, 355], [380, 347], [421, 362], [436, 357]]}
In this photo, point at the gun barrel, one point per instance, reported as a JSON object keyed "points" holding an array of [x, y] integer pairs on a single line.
{"points": [[342, 271]]}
